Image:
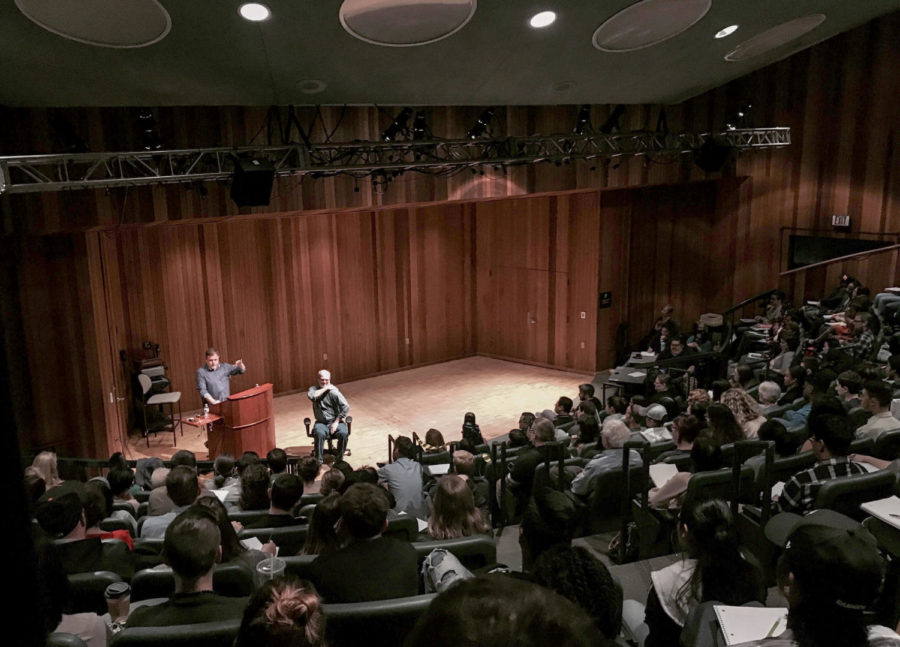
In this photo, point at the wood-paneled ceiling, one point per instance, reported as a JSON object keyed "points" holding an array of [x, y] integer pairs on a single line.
{"points": [[208, 55]]}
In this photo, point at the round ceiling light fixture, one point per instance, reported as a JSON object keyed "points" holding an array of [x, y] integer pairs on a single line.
{"points": [[254, 11], [542, 19], [312, 86], [405, 23], [775, 37], [120, 24], [647, 23], [726, 31]]}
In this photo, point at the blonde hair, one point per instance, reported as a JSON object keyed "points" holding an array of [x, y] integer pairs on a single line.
{"points": [[742, 405], [45, 464], [698, 395], [453, 512]]}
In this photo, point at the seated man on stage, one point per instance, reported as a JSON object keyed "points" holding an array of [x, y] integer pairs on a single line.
{"points": [[213, 377], [330, 409]]}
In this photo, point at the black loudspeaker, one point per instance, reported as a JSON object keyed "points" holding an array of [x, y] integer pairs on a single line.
{"points": [[713, 154], [251, 185]]}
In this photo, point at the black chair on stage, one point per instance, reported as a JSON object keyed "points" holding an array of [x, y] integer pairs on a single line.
{"points": [[329, 438]]}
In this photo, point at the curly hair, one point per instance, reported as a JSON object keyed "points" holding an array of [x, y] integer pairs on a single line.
{"points": [[742, 405]]}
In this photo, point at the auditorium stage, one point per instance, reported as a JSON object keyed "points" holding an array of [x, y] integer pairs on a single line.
{"points": [[407, 401]]}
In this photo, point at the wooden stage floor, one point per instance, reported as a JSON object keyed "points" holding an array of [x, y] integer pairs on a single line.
{"points": [[400, 403]]}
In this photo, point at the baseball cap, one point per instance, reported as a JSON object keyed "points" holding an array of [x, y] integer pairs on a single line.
{"points": [[654, 412], [833, 558], [59, 509]]}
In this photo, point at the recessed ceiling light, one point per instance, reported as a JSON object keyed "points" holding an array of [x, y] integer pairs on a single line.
{"points": [[727, 31], [542, 19], [254, 11]]}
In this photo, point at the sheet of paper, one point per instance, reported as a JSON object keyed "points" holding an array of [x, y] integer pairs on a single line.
{"points": [[743, 624], [221, 494], [777, 489], [252, 543], [888, 510], [437, 470], [637, 374], [660, 473]]}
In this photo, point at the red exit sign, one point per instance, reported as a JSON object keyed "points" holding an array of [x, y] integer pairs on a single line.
{"points": [[840, 220]]}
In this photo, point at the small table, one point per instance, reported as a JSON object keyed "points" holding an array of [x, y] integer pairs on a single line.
{"points": [[204, 422]]}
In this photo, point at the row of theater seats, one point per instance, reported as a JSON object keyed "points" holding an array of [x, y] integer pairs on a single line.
{"points": [[383, 622]]}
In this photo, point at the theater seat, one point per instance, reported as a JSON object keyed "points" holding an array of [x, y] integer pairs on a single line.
{"points": [[473, 552], [382, 623], [62, 639], [86, 591], [205, 634], [289, 539], [233, 580], [845, 494]]}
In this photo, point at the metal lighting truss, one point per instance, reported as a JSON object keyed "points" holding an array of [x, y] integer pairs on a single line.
{"points": [[39, 173]]}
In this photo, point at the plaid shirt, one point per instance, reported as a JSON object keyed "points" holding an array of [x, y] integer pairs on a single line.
{"points": [[865, 344], [800, 490]]}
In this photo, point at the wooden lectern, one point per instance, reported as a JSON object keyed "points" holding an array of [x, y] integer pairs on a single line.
{"points": [[247, 423]]}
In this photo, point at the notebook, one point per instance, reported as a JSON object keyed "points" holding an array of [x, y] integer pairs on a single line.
{"points": [[888, 510], [743, 624]]}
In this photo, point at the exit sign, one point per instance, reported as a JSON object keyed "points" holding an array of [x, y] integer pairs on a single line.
{"points": [[838, 220]]}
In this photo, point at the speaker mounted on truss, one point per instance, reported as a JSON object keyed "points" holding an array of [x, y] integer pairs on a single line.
{"points": [[713, 154], [251, 184]]}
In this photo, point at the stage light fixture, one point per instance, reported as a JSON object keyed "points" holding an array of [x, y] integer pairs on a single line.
{"points": [[254, 11], [481, 126], [420, 127], [398, 126], [147, 127], [739, 119], [584, 120], [612, 122]]}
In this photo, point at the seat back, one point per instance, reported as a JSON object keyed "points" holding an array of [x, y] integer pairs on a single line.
{"points": [[145, 382], [784, 468], [111, 523], [857, 417], [404, 528], [299, 566], [384, 623], [887, 445], [845, 494], [86, 591], [204, 634], [62, 639], [473, 552], [862, 446], [307, 499], [234, 580]]}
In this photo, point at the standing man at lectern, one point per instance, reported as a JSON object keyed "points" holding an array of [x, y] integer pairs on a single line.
{"points": [[330, 409], [213, 378]]}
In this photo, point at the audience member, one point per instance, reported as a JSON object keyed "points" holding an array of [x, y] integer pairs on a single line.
{"points": [[722, 424], [712, 568], [332, 480], [284, 612], [847, 388], [284, 494], [794, 381], [97, 500], [613, 437], [160, 501], [830, 572], [233, 551], [746, 411], [45, 464], [584, 580], [254, 488], [403, 478], [654, 418], [434, 442], [463, 465], [308, 468], [276, 458], [685, 429], [706, 456], [322, 537], [497, 611], [120, 482], [224, 478], [370, 566], [453, 512], [522, 471], [191, 548], [60, 512], [182, 488], [586, 393], [830, 441], [785, 443], [876, 398], [471, 432], [616, 406], [769, 393]]}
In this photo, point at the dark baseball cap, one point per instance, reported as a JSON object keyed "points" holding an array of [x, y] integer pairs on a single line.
{"points": [[59, 509], [833, 558]]}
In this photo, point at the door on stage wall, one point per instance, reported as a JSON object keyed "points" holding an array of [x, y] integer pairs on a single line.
{"points": [[523, 313]]}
